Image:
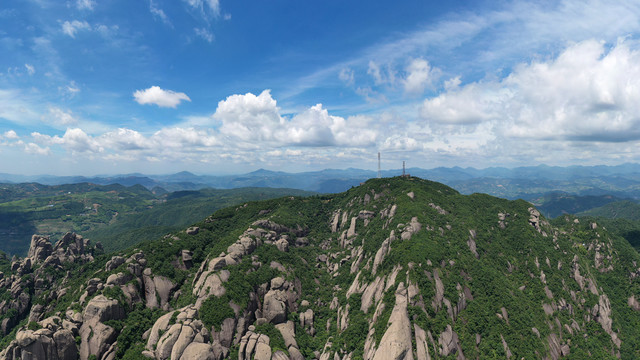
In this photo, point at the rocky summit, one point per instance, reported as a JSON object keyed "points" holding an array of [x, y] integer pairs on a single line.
{"points": [[396, 268]]}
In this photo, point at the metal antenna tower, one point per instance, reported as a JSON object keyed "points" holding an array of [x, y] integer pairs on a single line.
{"points": [[403, 173], [379, 172]]}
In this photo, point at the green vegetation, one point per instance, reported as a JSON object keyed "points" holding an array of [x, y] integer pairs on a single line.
{"points": [[214, 310], [177, 210], [115, 215], [629, 210], [485, 267], [28, 209]]}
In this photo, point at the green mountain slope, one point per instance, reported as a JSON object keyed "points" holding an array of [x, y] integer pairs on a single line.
{"points": [[179, 209], [396, 268], [616, 210], [33, 208], [558, 203]]}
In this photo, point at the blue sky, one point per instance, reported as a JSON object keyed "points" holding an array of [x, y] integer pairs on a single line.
{"points": [[213, 86]]}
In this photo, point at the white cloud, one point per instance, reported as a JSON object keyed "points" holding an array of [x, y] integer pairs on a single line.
{"points": [[587, 93], [249, 117], [471, 104], [74, 139], [123, 140], [105, 30], [372, 96], [85, 4], [420, 75], [34, 149], [71, 28], [206, 6], [10, 134], [380, 75], [347, 76], [157, 96], [184, 138], [312, 127], [452, 84], [204, 34], [30, 69], [61, 117], [159, 13], [256, 120]]}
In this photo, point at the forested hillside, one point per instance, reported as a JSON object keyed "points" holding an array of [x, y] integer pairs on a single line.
{"points": [[116, 215], [396, 268]]}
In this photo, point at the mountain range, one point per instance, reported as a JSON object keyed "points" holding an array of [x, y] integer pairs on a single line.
{"points": [[522, 182]]}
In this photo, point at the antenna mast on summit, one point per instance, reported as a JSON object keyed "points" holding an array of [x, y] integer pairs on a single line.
{"points": [[379, 172], [403, 173]]}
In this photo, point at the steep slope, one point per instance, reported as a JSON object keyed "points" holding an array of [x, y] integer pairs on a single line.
{"points": [[398, 268]]}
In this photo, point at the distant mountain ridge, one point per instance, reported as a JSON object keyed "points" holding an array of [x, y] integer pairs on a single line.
{"points": [[527, 182]]}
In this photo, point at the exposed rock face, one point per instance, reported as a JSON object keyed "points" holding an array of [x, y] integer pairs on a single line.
{"points": [[306, 321], [422, 348], [254, 346], [383, 251], [449, 343], [157, 285], [96, 337], [199, 351], [114, 263], [275, 308], [633, 303], [40, 248], [52, 342], [193, 230], [396, 341], [602, 312], [472, 243], [175, 341]]}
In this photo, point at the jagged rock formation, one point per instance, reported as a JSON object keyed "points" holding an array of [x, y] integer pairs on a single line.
{"points": [[393, 269]]}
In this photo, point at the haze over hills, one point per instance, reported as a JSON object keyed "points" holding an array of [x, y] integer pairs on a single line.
{"points": [[399, 268], [521, 182]]}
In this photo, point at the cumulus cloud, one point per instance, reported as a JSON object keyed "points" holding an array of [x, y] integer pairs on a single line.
{"points": [[74, 139], [313, 127], [11, 135], [157, 96], [588, 93], [257, 120], [204, 34], [249, 117], [72, 27], [123, 140], [420, 75]]}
